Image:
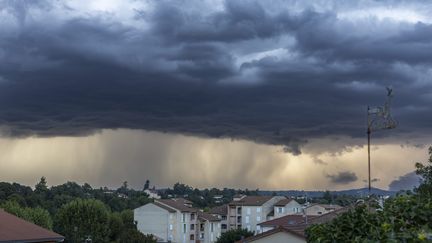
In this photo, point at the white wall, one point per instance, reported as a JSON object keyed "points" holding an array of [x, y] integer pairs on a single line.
{"points": [[152, 219]]}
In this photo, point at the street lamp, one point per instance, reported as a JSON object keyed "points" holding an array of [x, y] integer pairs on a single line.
{"points": [[379, 118]]}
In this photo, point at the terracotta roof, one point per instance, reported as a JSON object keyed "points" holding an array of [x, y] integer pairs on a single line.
{"points": [[283, 202], [252, 201], [287, 220], [271, 232], [326, 206], [220, 210], [207, 216], [176, 204], [14, 229], [297, 222]]}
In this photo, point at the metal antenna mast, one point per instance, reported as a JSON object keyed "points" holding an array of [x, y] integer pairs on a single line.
{"points": [[379, 118]]}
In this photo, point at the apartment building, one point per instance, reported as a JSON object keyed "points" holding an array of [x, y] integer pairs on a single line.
{"points": [[248, 211], [286, 206], [175, 220], [222, 213]]}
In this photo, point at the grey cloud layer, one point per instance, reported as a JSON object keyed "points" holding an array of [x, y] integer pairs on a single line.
{"points": [[76, 75]]}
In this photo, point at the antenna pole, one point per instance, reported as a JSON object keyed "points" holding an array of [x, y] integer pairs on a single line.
{"points": [[369, 166]]}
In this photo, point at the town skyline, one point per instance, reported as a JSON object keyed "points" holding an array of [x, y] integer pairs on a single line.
{"points": [[213, 93]]}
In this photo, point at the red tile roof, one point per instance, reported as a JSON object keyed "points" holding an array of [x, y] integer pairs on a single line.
{"points": [[286, 220], [271, 232], [14, 229]]}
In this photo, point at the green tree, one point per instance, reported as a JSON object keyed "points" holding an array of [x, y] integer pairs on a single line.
{"points": [[81, 218], [147, 185], [234, 235], [134, 236], [41, 186], [36, 215], [425, 171], [116, 226]]}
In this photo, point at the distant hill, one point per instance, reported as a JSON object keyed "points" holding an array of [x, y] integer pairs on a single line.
{"points": [[351, 192]]}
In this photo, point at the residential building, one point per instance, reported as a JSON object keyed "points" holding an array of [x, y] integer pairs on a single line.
{"points": [[222, 213], [14, 229], [319, 209], [176, 220], [278, 235], [286, 206], [248, 211], [152, 193]]}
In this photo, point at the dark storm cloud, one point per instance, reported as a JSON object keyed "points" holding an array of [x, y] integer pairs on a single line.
{"points": [[406, 182], [343, 177], [182, 72]]}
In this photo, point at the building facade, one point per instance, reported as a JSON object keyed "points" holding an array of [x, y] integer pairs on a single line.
{"points": [[174, 220], [247, 212], [286, 207]]}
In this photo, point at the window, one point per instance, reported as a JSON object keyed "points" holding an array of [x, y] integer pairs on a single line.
{"points": [[258, 229], [248, 211], [224, 217], [294, 209], [192, 237], [202, 236], [280, 210], [171, 227], [211, 227], [247, 219], [192, 216], [192, 227], [224, 226], [248, 227], [258, 209], [184, 228], [258, 218], [183, 217]]}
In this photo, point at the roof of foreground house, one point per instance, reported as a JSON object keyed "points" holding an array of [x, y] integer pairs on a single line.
{"points": [[298, 222], [271, 232], [17, 230]]}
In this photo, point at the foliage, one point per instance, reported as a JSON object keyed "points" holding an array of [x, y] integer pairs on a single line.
{"points": [[425, 171], [79, 219], [404, 218], [134, 236], [234, 235], [37, 215]]}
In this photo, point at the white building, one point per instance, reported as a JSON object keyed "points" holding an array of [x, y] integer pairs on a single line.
{"points": [[152, 193], [286, 207], [176, 221], [247, 212]]}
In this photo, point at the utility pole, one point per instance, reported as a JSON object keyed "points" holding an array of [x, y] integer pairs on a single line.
{"points": [[379, 118]]}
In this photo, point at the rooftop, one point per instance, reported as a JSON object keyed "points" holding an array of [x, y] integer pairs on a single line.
{"points": [[252, 201], [283, 202], [14, 229], [219, 210]]}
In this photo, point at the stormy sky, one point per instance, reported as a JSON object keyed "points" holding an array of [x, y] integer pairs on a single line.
{"points": [[272, 93]]}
